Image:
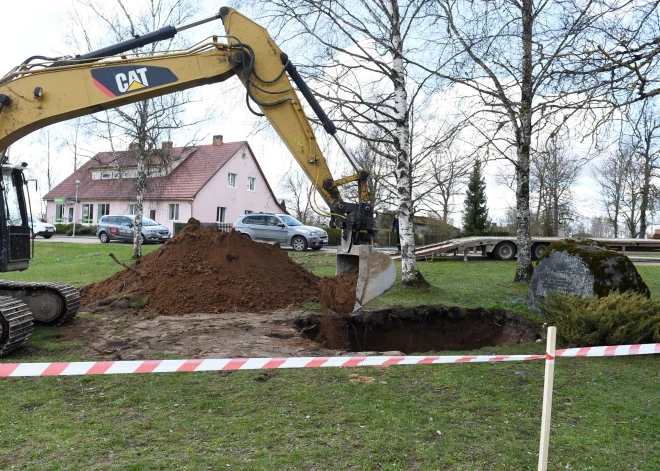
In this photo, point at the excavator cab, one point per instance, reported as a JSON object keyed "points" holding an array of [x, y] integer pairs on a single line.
{"points": [[14, 229]]}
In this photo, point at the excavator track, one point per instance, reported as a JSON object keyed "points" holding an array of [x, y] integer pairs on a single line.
{"points": [[15, 324], [51, 303]]}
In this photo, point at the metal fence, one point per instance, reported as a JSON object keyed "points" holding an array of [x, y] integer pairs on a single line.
{"points": [[222, 226]]}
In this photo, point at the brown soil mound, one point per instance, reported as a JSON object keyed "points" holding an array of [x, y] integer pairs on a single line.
{"points": [[206, 270], [338, 293]]}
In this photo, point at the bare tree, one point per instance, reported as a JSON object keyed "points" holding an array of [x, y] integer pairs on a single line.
{"points": [[450, 168], [618, 177], [72, 139], [46, 140], [554, 171], [646, 134], [361, 66], [510, 57], [295, 185], [146, 123]]}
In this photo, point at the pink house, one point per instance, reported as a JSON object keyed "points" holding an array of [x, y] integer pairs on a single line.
{"points": [[213, 183]]}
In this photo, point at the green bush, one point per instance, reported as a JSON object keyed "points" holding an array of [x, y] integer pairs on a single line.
{"points": [[334, 235], [617, 319], [82, 230], [63, 228]]}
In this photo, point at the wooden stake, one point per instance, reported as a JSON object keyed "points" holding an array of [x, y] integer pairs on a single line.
{"points": [[547, 398]]}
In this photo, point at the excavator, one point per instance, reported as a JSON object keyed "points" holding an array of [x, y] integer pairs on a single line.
{"points": [[44, 90]]}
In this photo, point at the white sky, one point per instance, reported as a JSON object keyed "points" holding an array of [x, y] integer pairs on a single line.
{"points": [[32, 27]]}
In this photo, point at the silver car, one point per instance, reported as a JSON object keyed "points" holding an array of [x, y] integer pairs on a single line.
{"points": [[121, 228], [281, 228]]}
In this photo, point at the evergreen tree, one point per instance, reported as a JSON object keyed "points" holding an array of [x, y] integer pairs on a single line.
{"points": [[475, 218]]}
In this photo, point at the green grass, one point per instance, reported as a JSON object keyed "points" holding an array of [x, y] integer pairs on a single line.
{"points": [[488, 415], [75, 264]]}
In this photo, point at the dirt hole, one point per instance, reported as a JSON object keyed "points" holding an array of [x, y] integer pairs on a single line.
{"points": [[419, 329]]}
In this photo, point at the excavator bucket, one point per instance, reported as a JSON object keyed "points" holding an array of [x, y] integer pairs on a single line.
{"points": [[377, 272]]}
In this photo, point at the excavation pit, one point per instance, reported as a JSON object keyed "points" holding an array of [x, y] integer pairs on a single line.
{"points": [[418, 329]]}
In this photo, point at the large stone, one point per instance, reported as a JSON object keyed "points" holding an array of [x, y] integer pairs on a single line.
{"points": [[582, 268]]}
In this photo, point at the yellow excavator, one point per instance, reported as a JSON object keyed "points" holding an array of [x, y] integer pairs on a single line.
{"points": [[43, 91]]}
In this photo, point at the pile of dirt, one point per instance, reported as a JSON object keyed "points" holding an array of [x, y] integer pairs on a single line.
{"points": [[338, 293], [203, 269]]}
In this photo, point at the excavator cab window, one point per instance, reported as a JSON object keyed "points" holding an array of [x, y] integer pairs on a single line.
{"points": [[14, 229]]}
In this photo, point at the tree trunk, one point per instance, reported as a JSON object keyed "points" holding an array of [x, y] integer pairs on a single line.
{"points": [[410, 275], [524, 139], [140, 186], [141, 179]]}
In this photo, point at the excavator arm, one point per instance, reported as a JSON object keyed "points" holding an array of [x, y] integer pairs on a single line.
{"points": [[37, 94]]}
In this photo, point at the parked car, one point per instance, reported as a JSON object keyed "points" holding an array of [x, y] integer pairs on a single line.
{"points": [[281, 228], [40, 228], [121, 228]]}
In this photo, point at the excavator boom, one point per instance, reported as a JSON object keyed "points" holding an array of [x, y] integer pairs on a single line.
{"points": [[37, 94]]}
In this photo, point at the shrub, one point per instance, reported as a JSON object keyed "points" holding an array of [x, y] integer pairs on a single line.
{"points": [[334, 235], [82, 230], [63, 228], [616, 319]]}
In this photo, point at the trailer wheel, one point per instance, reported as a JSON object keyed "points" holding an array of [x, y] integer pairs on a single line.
{"points": [[505, 251], [538, 250]]}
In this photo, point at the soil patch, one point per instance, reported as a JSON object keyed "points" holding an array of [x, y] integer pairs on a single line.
{"points": [[420, 329], [338, 293], [206, 270]]}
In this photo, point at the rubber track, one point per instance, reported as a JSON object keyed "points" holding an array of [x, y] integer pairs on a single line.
{"points": [[16, 324], [67, 292]]}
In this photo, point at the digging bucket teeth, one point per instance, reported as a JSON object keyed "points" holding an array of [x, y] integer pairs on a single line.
{"points": [[377, 272]]}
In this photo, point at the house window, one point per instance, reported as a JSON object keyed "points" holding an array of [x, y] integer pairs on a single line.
{"points": [[174, 212], [221, 214], [104, 209], [252, 183], [231, 180], [70, 215], [248, 211], [87, 213], [131, 209], [59, 217], [106, 175], [152, 214]]}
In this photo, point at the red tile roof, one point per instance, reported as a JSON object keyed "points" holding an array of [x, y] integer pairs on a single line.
{"points": [[185, 181]]}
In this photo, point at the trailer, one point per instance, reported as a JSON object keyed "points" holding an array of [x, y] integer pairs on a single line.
{"points": [[506, 248]]}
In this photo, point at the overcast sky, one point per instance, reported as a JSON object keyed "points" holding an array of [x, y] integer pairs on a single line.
{"points": [[33, 27]]}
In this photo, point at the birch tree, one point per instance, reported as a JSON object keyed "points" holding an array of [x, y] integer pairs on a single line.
{"points": [[142, 124], [361, 56], [509, 59]]}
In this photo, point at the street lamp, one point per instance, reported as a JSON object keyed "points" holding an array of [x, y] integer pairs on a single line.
{"points": [[75, 208]]}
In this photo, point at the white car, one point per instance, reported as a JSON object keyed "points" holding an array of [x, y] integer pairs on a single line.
{"points": [[40, 228]]}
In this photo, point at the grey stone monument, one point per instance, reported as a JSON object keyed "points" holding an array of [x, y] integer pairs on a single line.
{"points": [[582, 268]]}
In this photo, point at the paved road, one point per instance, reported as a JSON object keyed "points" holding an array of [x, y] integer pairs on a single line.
{"points": [[93, 240]]}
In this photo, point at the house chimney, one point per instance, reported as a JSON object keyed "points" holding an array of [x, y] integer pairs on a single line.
{"points": [[217, 140], [167, 144]]}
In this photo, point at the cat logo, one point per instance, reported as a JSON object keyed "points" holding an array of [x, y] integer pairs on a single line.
{"points": [[135, 82], [122, 80]]}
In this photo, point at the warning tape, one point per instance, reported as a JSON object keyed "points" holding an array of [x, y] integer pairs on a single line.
{"points": [[15, 370]]}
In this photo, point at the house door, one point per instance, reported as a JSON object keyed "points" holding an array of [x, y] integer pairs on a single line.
{"points": [[152, 214], [70, 214]]}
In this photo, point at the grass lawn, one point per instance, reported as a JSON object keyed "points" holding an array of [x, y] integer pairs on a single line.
{"points": [[437, 417]]}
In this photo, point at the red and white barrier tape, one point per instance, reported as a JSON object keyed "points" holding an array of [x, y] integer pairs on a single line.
{"points": [[224, 364]]}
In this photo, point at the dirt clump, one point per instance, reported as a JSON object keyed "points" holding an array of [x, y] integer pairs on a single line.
{"points": [[202, 269], [332, 333], [338, 293]]}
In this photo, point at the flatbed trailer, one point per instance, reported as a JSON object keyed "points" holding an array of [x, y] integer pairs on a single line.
{"points": [[505, 248]]}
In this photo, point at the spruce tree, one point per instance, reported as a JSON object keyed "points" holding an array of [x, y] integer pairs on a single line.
{"points": [[475, 218]]}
